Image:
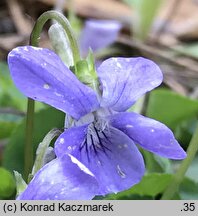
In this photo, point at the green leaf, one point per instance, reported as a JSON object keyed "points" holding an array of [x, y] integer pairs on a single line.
{"points": [[44, 121], [155, 163], [138, 106], [192, 171], [7, 184], [146, 12], [124, 197], [151, 185], [9, 94], [185, 130], [170, 108], [189, 189], [8, 122], [164, 163]]}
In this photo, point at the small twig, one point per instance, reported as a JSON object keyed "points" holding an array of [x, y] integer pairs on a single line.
{"points": [[104, 9], [22, 25], [153, 51], [8, 42], [169, 17]]}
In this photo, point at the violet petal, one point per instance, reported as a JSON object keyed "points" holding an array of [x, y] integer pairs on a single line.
{"points": [[61, 179], [124, 80], [41, 75], [110, 155], [98, 34], [149, 134]]}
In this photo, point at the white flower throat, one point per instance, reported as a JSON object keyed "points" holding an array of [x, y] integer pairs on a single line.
{"points": [[97, 137]]}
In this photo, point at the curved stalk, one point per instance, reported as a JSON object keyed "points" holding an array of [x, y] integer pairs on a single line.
{"points": [[34, 41], [179, 175]]}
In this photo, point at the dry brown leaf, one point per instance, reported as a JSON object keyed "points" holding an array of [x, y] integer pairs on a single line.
{"points": [[8, 42], [102, 9], [179, 18], [22, 25], [184, 18]]}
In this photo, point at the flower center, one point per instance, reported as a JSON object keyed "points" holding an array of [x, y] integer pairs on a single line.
{"points": [[97, 139], [95, 116]]}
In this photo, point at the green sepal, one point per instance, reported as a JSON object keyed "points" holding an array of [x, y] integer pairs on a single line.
{"points": [[82, 72], [42, 150], [20, 183], [86, 72], [91, 63]]}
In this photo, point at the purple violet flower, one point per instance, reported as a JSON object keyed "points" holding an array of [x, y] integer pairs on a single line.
{"points": [[98, 34], [98, 154]]}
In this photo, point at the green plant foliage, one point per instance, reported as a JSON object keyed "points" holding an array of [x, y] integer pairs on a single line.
{"points": [[170, 108], [9, 94], [7, 184], [8, 122], [189, 189], [20, 183], [155, 163], [192, 171], [146, 12], [45, 120], [185, 130], [150, 186]]}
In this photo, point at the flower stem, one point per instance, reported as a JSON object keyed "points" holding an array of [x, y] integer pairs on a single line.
{"points": [[28, 151], [65, 24], [179, 175]]}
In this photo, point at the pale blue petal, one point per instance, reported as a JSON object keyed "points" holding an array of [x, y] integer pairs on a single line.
{"points": [[110, 155], [41, 75], [61, 179], [124, 80], [149, 134]]}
